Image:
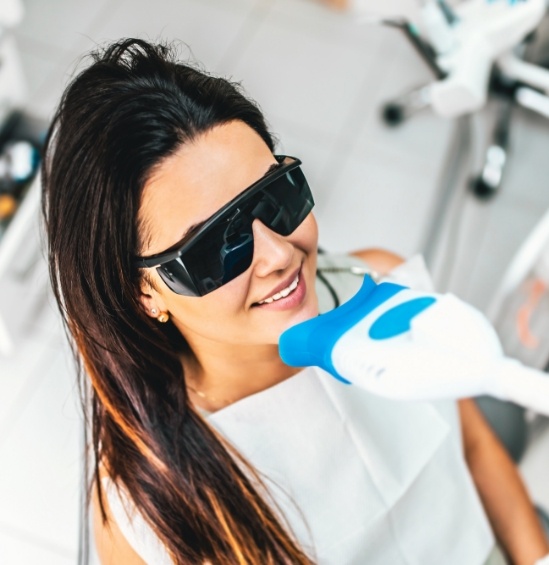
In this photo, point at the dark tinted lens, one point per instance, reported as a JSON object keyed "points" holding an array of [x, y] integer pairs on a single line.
{"points": [[236, 256], [226, 249], [224, 252], [286, 203]]}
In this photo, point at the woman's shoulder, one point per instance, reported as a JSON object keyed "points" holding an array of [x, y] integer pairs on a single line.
{"points": [[122, 534], [111, 544], [380, 260], [337, 273], [340, 275]]}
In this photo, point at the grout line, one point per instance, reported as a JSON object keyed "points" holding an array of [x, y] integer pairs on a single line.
{"points": [[450, 200], [109, 8], [475, 209], [299, 129], [17, 409], [347, 138], [28, 538], [105, 14], [313, 31], [40, 49], [251, 26]]}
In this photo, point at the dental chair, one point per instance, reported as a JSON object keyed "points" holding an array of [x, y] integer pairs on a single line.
{"points": [[475, 50], [519, 311]]}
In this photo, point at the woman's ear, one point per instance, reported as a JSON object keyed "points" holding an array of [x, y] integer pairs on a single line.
{"points": [[151, 300]]}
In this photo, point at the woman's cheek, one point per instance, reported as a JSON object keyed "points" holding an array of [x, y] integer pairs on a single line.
{"points": [[309, 232]]}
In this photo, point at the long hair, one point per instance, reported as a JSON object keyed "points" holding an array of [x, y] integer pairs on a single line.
{"points": [[120, 118]]}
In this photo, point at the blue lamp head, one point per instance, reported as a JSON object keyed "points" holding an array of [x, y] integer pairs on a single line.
{"points": [[310, 343]]}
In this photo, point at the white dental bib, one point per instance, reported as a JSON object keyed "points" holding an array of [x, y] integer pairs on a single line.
{"points": [[366, 480]]}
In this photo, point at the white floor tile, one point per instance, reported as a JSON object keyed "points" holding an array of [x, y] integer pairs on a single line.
{"points": [[27, 306], [60, 23], [528, 167], [208, 28], [311, 82], [44, 100], [20, 375], [315, 154], [424, 137], [51, 65], [377, 204], [21, 550], [507, 222], [37, 67], [235, 5], [312, 18], [40, 461], [466, 230]]}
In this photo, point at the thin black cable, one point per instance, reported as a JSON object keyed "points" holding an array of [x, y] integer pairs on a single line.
{"points": [[330, 288]]}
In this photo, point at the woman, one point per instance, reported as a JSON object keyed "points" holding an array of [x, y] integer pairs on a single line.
{"points": [[180, 248]]}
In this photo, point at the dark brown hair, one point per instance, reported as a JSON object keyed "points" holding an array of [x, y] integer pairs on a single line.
{"points": [[119, 118]]}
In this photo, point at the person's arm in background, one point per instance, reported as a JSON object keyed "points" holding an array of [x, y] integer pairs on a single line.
{"points": [[501, 489], [380, 260], [337, 4]]}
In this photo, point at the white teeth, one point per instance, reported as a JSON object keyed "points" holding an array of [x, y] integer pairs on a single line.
{"points": [[283, 293]]}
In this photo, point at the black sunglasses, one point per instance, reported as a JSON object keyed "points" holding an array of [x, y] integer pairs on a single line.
{"points": [[222, 248]]}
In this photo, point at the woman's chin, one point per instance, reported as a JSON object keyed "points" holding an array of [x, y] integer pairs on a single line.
{"points": [[308, 312]]}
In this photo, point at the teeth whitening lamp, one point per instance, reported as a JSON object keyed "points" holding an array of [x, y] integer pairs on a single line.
{"points": [[407, 345]]}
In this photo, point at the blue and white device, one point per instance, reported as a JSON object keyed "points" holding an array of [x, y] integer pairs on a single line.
{"points": [[409, 345]]}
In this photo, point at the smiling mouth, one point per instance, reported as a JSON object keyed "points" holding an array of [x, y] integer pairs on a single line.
{"points": [[283, 293]]}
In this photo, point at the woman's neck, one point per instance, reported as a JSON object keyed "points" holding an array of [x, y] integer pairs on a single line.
{"points": [[219, 375]]}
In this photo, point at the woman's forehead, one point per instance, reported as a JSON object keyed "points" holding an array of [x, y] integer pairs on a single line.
{"points": [[197, 180]]}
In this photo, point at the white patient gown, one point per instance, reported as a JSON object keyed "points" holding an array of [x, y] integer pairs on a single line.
{"points": [[361, 479]]}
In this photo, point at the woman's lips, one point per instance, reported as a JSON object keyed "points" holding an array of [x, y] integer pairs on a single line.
{"points": [[282, 293], [282, 286], [295, 298]]}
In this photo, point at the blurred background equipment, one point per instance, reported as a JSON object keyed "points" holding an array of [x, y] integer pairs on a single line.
{"points": [[20, 136], [12, 84], [466, 43], [475, 49], [520, 307], [519, 311]]}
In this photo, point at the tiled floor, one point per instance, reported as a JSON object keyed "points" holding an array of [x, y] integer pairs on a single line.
{"points": [[320, 78]]}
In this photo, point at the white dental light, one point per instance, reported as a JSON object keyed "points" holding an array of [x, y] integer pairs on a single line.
{"points": [[409, 345]]}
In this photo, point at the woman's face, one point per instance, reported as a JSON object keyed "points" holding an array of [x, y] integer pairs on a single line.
{"points": [[188, 188]]}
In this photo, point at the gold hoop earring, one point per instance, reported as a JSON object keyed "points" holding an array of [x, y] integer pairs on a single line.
{"points": [[163, 317]]}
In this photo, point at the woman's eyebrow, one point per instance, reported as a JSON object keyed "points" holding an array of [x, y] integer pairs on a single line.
{"points": [[195, 227], [273, 167]]}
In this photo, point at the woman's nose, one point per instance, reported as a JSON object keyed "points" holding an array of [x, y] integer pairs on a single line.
{"points": [[272, 252]]}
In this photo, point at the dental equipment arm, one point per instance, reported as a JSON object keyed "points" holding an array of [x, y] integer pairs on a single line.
{"points": [[462, 44], [407, 345]]}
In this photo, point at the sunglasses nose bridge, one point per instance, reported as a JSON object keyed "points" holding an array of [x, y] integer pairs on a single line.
{"points": [[272, 252]]}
